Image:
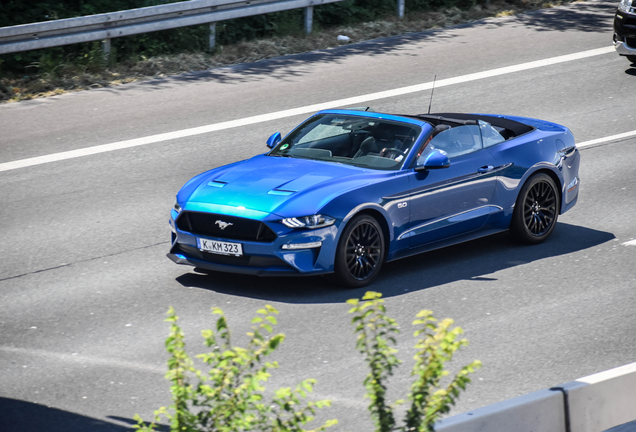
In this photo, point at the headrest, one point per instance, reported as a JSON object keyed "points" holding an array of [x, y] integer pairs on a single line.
{"points": [[440, 128], [384, 134]]}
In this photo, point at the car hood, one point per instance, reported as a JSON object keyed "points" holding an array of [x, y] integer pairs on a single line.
{"points": [[285, 187]]}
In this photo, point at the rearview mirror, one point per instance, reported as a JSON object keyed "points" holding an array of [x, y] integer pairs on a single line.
{"points": [[273, 140], [436, 159]]}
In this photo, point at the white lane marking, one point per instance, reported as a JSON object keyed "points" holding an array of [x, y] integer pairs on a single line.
{"points": [[73, 359], [630, 243], [352, 101], [83, 360], [606, 139]]}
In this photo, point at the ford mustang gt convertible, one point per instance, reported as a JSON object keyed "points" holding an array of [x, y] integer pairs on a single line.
{"points": [[348, 190]]}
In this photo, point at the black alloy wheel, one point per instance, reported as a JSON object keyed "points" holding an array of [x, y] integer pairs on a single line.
{"points": [[536, 210], [360, 252]]}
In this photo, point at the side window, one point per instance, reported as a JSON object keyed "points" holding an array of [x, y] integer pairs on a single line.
{"points": [[489, 134], [458, 141]]}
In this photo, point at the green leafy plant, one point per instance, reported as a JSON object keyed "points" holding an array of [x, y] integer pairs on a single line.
{"points": [[230, 397], [437, 343]]}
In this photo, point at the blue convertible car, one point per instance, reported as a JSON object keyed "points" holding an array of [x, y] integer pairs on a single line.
{"points": [[348, 190]]}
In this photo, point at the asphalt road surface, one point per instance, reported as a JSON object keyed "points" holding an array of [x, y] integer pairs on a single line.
{"points": [[85, 284]]}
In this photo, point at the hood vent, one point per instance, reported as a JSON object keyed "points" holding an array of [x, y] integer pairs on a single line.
{"points": [[217, 183], [283, 192]]}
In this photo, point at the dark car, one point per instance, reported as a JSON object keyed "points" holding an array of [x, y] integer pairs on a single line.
{"points": [[625, 30]]}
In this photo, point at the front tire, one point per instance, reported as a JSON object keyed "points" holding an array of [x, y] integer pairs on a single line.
{"points": [[360, 252], [631, 58], [536, 210]]}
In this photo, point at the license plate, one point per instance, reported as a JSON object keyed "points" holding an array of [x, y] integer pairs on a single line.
{"points": [[220, 247]]}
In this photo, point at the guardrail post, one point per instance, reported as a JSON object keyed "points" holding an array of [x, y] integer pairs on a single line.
{"points": [[212, 36], [400, 8], [106, 51], [309, 18]]}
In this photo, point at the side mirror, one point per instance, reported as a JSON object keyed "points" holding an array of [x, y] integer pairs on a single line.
{"points": [[273, 140], [437, 159]]}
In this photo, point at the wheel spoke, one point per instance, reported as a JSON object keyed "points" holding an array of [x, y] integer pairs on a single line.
{"points": [[362, 251], [539, 210]]}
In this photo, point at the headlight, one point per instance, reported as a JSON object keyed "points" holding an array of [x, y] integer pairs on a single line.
{"points": [[176, 206], [625, 6], [311, 222]]}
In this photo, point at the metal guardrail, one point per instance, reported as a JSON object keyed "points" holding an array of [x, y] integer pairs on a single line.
{"points": [[104, 27]]}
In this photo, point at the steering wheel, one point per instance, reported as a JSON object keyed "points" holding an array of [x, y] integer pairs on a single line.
{"points": [[391, 153]]}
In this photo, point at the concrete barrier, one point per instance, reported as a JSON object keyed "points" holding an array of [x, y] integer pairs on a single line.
{"points": [[543, 410], [603, 400], [590, 404]]}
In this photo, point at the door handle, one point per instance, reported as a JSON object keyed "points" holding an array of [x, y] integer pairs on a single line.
{"points": [[485, 169]]}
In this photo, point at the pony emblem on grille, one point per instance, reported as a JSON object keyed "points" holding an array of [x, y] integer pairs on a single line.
{"points": [[222, 224]]}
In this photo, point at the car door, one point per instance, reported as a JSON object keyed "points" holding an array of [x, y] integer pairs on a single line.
{"points": [[451, 201]]}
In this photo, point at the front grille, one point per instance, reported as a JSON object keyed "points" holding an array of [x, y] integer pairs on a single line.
{"points": [[242, 261], [629, 21], [224, 227]]}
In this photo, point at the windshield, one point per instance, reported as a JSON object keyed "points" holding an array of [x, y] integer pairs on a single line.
{"points": [[353, 140]]}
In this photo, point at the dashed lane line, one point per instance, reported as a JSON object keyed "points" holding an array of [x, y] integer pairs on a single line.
{"points": [[606, 139], [76, 358]]}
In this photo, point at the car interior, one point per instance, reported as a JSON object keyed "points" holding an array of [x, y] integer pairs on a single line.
{"points": [[384, 144]]}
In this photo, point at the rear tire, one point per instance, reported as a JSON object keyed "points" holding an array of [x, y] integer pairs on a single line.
{"points": [[360, 252], [536, 210]]}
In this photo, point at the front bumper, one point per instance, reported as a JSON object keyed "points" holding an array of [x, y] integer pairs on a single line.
{"points": [[625, 32], [278, 269], [623, 49], [261, 258]]}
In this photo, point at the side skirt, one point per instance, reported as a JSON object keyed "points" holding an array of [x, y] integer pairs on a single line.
{"points": [[403, 253]]}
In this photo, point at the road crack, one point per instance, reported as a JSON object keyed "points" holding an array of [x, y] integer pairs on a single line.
{"points": [[83, 261]]}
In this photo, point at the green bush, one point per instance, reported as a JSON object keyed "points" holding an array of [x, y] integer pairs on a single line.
{"points": [[436, 345], [230, 397]]}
